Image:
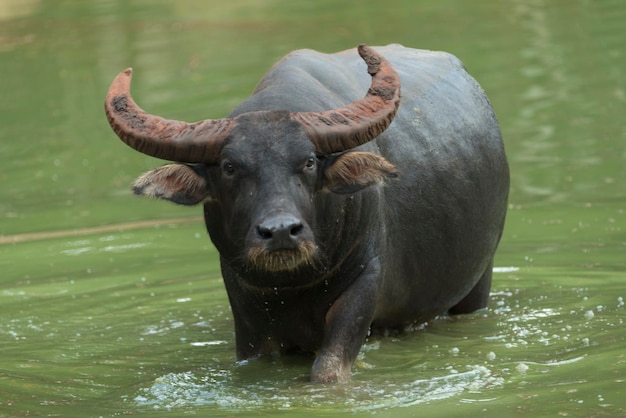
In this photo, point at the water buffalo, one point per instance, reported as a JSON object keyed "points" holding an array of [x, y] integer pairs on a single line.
{"points": [[336, 215]]}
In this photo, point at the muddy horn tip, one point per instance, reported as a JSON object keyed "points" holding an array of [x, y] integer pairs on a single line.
{"points": [[120, 84], [371, 58], [364, 50], [128, 73]]}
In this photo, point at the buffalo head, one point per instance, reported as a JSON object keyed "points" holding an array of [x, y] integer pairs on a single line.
{"points": [[259, 173]]}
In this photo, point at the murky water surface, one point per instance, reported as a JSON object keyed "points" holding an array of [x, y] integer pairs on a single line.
{"points": [[113, 305]]}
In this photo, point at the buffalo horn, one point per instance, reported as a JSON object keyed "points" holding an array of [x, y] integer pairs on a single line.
{"points": [[362, 120], [172, 140]]}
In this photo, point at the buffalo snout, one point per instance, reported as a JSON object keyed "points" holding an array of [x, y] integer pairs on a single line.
{"points": [[281, 242], [281, 232]]}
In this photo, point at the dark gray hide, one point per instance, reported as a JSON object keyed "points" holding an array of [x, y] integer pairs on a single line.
{"points": [[374, 247]]}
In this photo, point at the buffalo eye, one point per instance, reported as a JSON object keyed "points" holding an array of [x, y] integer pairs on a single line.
{"points": [[310, 163], [228, 168]]}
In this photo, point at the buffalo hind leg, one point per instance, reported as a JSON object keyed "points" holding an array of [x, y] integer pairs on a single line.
{"points": [[478, 297]]}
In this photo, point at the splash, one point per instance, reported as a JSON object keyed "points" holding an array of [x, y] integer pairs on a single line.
{"points": [[223, 389]]}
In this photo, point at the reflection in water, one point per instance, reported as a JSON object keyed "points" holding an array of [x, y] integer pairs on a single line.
{"points": [[539, 64], [11, 9], [565, 85]]}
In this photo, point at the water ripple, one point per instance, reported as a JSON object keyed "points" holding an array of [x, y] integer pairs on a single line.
{"points": [[222, 389]]}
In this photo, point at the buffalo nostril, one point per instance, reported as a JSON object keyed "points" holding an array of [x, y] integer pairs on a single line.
{"points": [[296, 229], [280, 230], [264, 232]]}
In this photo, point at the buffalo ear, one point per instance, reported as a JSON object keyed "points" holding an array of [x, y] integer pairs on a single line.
{"points": [[353, 171], [177, 183]]}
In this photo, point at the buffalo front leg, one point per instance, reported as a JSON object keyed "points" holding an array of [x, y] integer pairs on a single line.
{"points": [[347, 325]]}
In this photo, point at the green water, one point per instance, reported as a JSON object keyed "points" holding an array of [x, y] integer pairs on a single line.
{"points": [[113, 305]]}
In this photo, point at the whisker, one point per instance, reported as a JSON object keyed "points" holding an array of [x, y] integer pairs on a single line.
{"points": [[283, 260]]}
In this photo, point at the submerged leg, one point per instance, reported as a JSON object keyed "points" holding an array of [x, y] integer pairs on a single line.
{"points": [[478, 297]]}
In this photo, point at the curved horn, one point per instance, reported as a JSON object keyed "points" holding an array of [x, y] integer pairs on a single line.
{"points": [[171, 140], [362, 120]]}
